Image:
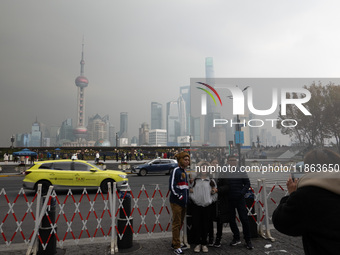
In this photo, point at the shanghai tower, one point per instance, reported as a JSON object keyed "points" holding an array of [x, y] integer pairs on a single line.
{"points": [[82, 82]]}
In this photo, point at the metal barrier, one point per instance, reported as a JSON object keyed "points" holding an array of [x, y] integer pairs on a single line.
{"points": [[98, 215]]}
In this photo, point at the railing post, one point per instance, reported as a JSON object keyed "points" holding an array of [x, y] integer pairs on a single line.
{"points": [[112, 199], [38, 220], [259, 208], [268, 235]]}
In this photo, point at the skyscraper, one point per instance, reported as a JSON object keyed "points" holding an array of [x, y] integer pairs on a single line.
{"points": [[185, 93], [123, 132], [172, 123], [82, 82], [98, 128], [156, 115], [211, 110]]}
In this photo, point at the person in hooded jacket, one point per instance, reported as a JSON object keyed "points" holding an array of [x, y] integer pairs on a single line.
{"points": [[312, 208], [179, 193]]}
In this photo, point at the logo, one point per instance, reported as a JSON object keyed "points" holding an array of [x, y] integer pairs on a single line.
{"points": [[239, 101], [204, 97]]}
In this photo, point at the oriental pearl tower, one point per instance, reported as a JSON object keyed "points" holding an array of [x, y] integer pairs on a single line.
{"points": [[82, 82]]}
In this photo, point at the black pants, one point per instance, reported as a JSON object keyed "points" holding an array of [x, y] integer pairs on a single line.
{"points": [[240, 206], [200, 224]]}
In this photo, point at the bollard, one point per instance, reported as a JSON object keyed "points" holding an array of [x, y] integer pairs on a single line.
{"points": [[45, 230], [127, 240]]}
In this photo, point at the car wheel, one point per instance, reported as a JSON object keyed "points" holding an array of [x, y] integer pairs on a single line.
{"points": [[142, 172], [104, 187], [170, 171], [44, 187]]}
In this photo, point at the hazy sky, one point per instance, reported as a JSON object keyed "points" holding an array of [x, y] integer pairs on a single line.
{"points": [[138, 51]]}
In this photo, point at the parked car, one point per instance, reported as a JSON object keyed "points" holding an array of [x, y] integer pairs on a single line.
{"points": [[71, 173], [158, 165]]}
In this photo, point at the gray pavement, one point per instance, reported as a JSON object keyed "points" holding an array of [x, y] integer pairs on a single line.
{"points": [[161, 245]]}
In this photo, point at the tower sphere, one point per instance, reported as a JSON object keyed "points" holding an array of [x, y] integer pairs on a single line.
{"points": [[80, 132], [82, 81]]}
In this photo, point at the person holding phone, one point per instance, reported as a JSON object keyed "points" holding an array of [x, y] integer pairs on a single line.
{"points": [[312, 208]]}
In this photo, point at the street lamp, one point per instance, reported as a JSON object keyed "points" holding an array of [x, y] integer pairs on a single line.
{"points": [[238, 130], [12, 141]]}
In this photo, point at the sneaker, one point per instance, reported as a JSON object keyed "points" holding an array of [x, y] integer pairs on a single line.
{"points": [[211, 243], [249, 245], [205, 248], [178, 251], [217, 243], [183, 246], [197, 248], [235, 242]]}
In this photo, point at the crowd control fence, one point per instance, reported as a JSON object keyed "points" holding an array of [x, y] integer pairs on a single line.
{"points": [[90, 215]]}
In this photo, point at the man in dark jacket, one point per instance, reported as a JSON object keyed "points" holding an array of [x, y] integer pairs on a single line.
{"points": [[238, 186], [178, 185], [313, 207]]}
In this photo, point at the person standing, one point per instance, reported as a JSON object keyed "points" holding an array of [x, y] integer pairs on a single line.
{"points": [[6, 158], [312, 208], [239, 184], [202, 195], [97, 157], [222, 207], [179, 191]]}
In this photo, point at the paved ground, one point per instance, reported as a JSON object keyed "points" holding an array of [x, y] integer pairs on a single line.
{"points": [[160, 245]]}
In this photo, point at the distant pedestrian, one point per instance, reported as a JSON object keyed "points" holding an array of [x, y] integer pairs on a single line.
{"points": [[97, 157], [6, 156], [312, 208], [179, 191]]}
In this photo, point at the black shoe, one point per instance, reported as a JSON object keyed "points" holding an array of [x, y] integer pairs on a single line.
{"points": [[249, 245], [211, 243], [217, 243], [183, 246], [235, 242]]}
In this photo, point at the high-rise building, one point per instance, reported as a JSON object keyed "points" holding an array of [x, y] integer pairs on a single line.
{"points": [[172, 124], [144, 134], [123, 132], [185, 94], [98, 128], [211, 110], [158, 137], [182, 116], [36, 135], [82, 82], [65, 133], [156, 115]]}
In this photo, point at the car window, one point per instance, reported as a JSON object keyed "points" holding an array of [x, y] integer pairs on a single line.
{"points": [[81, 167], [165, 161], [156, 162], [46, 166], [62, 166]]}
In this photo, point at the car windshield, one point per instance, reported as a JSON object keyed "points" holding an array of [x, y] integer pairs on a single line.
{"points": [[96, 166]]}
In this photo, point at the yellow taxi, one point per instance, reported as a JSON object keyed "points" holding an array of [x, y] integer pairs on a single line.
{"points": [[71, 174]]}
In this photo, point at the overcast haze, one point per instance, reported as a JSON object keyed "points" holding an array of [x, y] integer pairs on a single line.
{"points": [[140, 51]]}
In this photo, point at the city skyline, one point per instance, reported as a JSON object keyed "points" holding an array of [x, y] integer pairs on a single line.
{"points": [[138, 53]]}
